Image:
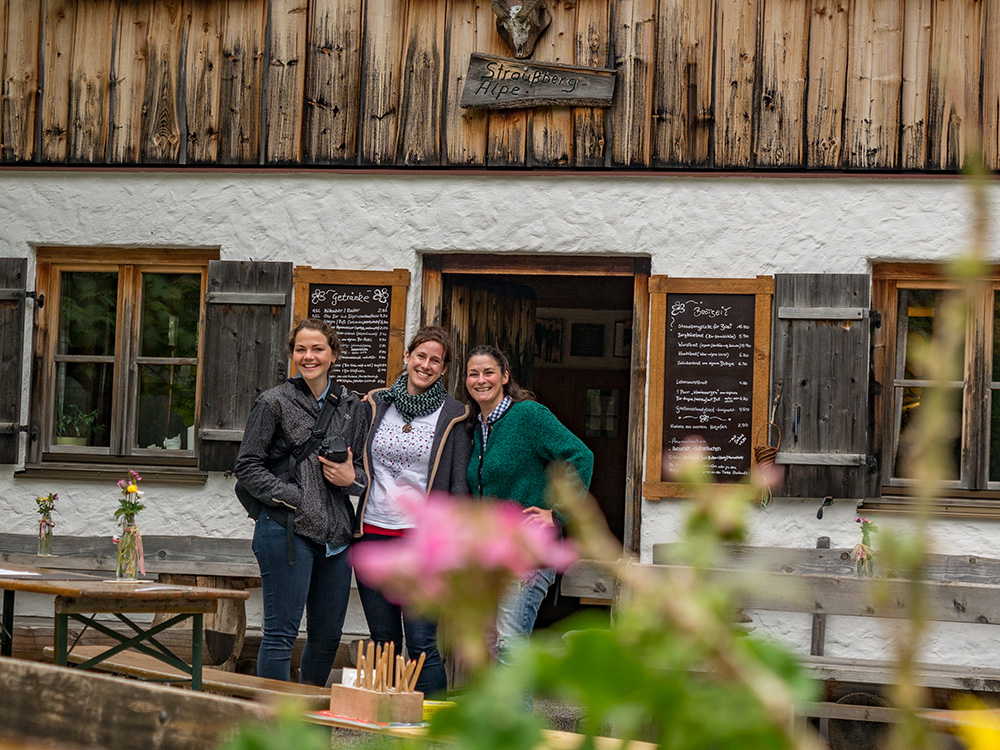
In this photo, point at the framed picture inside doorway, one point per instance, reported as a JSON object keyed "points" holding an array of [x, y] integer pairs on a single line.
{"points": [[623, 338]]}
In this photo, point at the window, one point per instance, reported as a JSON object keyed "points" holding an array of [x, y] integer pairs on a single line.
{"points": [[911, 299], [121, 342]]}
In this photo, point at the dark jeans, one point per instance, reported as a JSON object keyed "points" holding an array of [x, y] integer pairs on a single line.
{"points": [[388, 622], [318, 584]]}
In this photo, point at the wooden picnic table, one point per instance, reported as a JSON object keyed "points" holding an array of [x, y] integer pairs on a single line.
{"points": [[81, 598]]}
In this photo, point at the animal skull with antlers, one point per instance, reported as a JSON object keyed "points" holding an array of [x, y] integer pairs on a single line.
{"points": [[521, 24]]}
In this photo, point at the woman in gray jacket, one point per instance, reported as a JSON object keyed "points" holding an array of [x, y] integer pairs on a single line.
{"points": [[308, 569], [419, 442]]}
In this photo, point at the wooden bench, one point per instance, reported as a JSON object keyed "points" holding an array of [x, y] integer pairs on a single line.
{"points": [[824, 582], [184, 561], [140, 666], [43, 705]]}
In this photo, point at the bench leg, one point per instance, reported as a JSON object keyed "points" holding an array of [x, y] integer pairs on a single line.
{"points": [[7, 624], [62, 638], [196, 656]]}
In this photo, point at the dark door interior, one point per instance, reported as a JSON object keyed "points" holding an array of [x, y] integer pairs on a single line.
{"points": [[568, 339]]}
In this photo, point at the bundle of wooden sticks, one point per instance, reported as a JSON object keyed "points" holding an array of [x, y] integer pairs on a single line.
{"points": [[382, 670]]}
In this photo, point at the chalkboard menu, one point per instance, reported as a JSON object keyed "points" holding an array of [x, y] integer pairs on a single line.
{"points": [[367, 309], [708, 388], [708, 366]]}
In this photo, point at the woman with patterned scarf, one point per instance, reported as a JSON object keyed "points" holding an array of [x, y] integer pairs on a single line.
{"points": [[418, 441]]}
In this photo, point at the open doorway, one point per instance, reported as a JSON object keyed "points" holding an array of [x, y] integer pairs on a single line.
{"points": [[569, 341], [568, 327]]}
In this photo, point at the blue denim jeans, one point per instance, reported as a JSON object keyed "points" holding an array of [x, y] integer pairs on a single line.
{"points": [[317, 584], [388, 622], [517, 610]]}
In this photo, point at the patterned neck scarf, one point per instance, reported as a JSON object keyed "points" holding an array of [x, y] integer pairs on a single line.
{"points": [[410, 406]]}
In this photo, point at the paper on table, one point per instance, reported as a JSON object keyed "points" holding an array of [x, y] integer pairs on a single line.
{"points": [[12, 573]]}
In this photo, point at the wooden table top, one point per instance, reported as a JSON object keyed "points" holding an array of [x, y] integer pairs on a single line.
{"points": [[62, 583]]}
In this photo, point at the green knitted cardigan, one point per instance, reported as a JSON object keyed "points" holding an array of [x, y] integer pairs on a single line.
{"points": [[522, 443]]}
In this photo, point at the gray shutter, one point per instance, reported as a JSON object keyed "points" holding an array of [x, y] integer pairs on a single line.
{"points": [[821, 353], [248, 314], [13, 273]]}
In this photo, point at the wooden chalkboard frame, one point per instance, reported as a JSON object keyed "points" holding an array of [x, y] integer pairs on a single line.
{"points": [[762, 288], [398, 280]]}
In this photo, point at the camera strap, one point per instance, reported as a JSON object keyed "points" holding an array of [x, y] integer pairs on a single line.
{"points": [[330, 404]]}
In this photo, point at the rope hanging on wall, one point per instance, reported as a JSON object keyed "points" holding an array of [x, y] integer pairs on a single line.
{"points": [[766, 454]]}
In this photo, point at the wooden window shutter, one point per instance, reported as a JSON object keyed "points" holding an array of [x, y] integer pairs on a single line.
{"points": [[248, 312], [821, 334], [13, 274]]}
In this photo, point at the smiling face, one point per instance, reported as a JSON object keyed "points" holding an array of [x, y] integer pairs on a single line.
{"points": [[312, 357], [424, 367], [484, 380]]}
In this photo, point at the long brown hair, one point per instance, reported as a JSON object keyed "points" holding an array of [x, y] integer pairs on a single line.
{"points": [[511, 387]]}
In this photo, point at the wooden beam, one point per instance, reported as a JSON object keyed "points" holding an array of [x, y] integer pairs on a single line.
{"points": [[637, 409], [101, 711]]}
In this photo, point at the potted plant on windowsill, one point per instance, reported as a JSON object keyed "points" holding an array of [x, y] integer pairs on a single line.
{"points": [[73, 426]]}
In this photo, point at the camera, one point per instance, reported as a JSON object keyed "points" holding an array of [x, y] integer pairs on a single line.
{"points": [[334, 449]]}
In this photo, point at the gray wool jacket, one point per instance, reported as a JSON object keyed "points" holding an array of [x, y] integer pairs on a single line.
{"points": [[283, 417], [450, 450]]}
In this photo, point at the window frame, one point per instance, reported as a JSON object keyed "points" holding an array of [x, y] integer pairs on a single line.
{"points": [[972, 493], [130, 266]]}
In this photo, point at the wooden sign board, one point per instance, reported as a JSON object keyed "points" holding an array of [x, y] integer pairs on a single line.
{"points": [[709, 365], [368, 311], [503, 83]]}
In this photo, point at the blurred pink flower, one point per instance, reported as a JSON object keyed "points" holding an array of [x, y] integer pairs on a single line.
{"points": [[457, 548]]}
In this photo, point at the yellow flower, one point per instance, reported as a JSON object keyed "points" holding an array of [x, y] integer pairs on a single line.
{"points": [[978, 728], [132, 488]]}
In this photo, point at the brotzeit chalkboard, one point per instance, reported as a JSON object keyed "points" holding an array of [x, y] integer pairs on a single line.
{"points": [[708, 387], [367, 309], [709, 351]]}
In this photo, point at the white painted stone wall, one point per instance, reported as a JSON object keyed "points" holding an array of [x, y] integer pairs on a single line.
{"points": [[715, 226]]}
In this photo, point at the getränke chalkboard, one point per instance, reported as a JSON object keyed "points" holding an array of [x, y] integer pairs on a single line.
{"points": [[361, 316], [708, 383]]}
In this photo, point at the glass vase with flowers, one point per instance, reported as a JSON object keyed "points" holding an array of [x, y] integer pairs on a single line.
{"points": [[130, 558]]}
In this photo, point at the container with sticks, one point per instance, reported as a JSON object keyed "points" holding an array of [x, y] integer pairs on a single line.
{"points": [[384, 691]]}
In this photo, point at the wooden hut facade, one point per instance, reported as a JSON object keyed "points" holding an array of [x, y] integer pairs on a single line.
{"points": [[771, 184]]}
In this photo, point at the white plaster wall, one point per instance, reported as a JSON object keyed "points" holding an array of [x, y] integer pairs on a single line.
{"points": [[715, 226]]}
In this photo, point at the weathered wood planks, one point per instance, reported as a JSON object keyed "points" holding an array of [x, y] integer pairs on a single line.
{"points": [[128, 82], [422, 85], [592, 46], [379, 89], [286, 80], [867, 85], [241, 90], [333, 78], [202, 73], [90, 81], [20, 80], [782, 91], [552, 127], [682, 102], [953, 124], [633, 37], [828, 34], [161, 136], [871, 122]]}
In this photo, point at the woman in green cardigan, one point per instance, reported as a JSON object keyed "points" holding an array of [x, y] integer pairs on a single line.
{"points": [[516, 439]]}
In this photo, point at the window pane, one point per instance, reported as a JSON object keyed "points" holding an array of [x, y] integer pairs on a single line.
{"points": [[83, 403], [87, 304], [166, 407], [912, 402], [170, 305]]}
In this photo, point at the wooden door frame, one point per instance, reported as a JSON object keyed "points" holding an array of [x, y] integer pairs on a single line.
{"points": [[432, 311]]}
